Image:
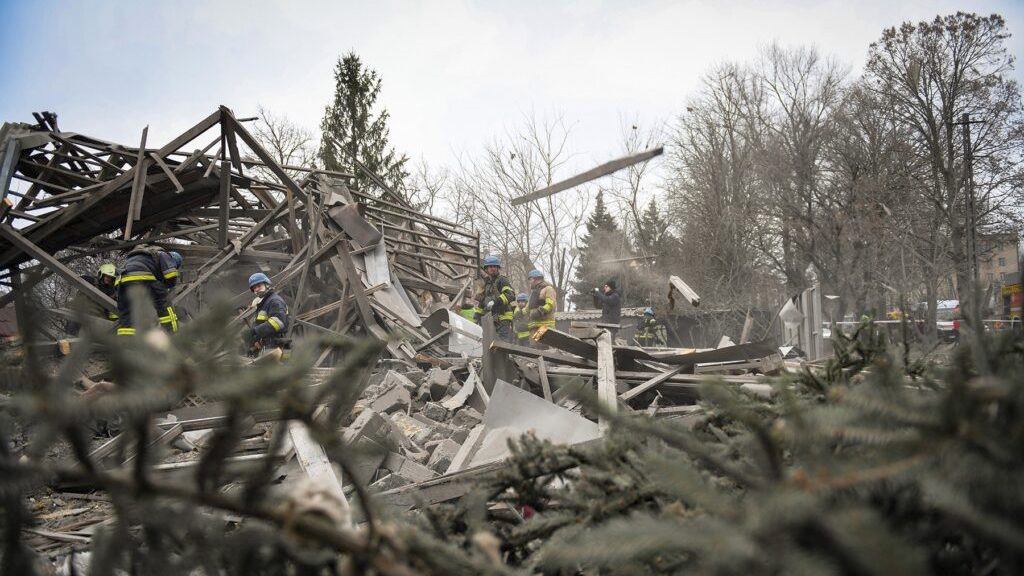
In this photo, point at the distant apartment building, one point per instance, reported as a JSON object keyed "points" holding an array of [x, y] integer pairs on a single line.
{"points": [[998, 267]]}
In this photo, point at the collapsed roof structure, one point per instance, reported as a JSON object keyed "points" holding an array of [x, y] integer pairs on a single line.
{"points": [[434, 417], [224, 205]]}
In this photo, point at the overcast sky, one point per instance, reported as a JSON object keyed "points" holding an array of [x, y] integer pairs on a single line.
{"points": [[456, 73]]}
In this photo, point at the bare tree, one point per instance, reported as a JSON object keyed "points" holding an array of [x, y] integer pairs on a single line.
{"points": [[933, 73], [540, 234], [289, 143], [715, 194]]}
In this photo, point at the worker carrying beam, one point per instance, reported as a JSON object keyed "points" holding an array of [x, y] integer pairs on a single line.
{"points": [[521, 320], [156, 270], [541, 308], [271, 324], [497, 297]]}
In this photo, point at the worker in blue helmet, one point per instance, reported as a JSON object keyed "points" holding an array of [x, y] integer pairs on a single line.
{"points": [[649, 331], [521, 320], [147, 271], [271, 324], [497, 297]]}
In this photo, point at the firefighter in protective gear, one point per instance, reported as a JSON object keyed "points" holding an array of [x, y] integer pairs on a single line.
{"points": [[521, 321], [156, 270], [541, 307], [650, 332], [271, 324], [105, 280], [497, 297], [469, 311]]}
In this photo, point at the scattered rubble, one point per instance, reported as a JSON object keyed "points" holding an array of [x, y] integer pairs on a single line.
{"points": [[437, 411]]}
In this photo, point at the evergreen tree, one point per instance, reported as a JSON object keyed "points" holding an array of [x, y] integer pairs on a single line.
{"points": [[352, 128], [603, 241], [652, 237]]}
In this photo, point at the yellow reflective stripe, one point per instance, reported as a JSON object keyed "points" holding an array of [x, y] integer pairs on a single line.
{"points": [[505, 316], [112, 316], [171, 318], [261, 316], [277, 324], [135, 278], [126, 331], [171, 274]]}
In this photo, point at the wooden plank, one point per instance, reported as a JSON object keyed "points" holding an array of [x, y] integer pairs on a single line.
{"points": [[462, 457], [675, 283], [170, 175], [24, 245], [553, 356], [584, 177], [542, 372], [138, 187], [652, 383], [316, 465], [225, 203], [605, 379]]}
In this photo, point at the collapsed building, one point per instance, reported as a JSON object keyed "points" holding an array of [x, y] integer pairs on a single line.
{"points": [[438, 410]]}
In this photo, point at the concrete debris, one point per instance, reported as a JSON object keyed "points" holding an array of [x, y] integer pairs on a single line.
{"points": [[445, 398]]}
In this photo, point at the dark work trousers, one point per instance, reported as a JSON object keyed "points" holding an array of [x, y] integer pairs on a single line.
{"points": [[158, 293]]}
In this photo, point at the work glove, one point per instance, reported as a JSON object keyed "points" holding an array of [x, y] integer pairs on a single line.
{"points": [[597, 290], [489, 305], [536, 314]]}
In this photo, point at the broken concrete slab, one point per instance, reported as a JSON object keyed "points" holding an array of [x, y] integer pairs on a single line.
{"points": [[397, 398], [443, 454], [407, 468], [434, 411]]}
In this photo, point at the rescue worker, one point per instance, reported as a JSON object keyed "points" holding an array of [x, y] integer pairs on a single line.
{"points": [[271, 323], [105, 280], [469, 311], [607, 298], [155, 269], [497, 297], [521, 320], [649, 331], [541, 307]]}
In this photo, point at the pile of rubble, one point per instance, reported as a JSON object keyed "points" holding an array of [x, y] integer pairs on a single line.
{"points": [[437, 412]]}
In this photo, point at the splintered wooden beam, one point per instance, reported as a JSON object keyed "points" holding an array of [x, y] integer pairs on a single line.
{"points": [[675, 283], [138, 187], [592, 174], [605, 379]]}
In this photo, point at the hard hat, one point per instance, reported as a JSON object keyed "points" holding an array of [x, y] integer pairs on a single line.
{"points": [[492, 261], [107, 269], [258, 278], [522, 297], [535, 274], [648, 311], [176, 257]]}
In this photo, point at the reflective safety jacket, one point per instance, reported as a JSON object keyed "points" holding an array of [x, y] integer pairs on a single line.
{"points": [[521, 322], [153, 268], [469, 313], [542, 306], [499, 289], [271, 319], [148, 264], [649, 332]]}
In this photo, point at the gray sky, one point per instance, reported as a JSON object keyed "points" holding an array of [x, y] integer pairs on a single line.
{"points": [[456, 74]]}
